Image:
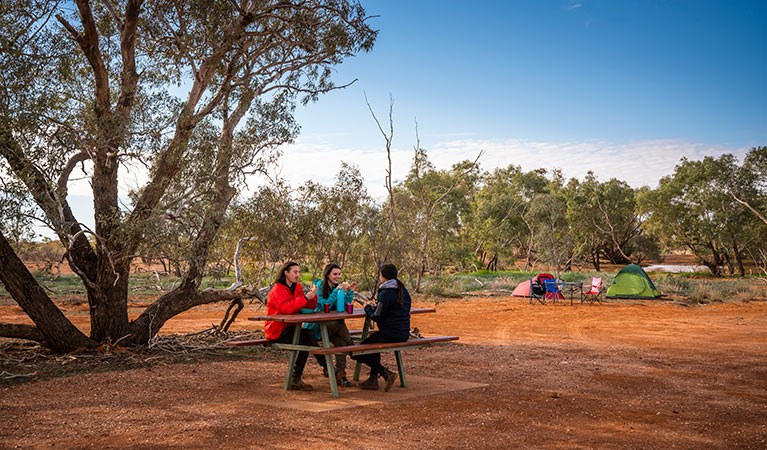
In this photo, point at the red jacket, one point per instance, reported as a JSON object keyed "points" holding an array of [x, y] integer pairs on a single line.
{"points": [[282, 301]]}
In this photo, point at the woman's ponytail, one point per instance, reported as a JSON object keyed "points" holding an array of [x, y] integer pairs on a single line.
{"points": [[400, 291]]}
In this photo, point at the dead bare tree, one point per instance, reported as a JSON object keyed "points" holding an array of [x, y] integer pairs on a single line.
{"points": [[237, 305]]}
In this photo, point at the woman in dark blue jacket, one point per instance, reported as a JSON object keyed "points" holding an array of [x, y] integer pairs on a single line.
{"points": [[392, 315]]}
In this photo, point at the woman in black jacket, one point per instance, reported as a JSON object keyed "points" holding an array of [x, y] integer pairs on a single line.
{"points": [[392, 314]]}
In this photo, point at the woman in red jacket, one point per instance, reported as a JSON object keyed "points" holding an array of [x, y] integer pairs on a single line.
{"points": [[287, 297]]}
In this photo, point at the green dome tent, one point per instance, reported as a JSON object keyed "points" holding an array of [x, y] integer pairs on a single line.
{"points": [[632, 282]]}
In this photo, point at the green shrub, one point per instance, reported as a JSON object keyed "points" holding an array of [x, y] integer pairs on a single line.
{"points": [[670, 285], [703, 292]]}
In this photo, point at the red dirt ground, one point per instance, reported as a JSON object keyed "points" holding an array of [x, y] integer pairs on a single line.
{"points": [[617, 375]]}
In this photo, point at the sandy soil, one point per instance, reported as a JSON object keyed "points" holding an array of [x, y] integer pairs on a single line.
{"points": [[617, 375]]}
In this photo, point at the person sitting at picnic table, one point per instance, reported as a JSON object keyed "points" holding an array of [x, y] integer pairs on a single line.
{"points": [[287, 297], [392, 315], [329, 291]]}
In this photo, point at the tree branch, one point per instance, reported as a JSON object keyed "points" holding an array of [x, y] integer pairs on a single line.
{"points": [[177, 301], [21, 331], [88, 41], [129, 77], [55, 208], [237, 271], [59, 333], [168, 162], [612, 230], [61, 186], [745, 203], [388, 139], [115, 16]]}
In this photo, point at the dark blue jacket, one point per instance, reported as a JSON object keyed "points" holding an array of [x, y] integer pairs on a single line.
{"points": [[393, 320]]}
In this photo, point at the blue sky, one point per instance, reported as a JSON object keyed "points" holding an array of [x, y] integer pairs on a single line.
{"points": [[624, 88]]}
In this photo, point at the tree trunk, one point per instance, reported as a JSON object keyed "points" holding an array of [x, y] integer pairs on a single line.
{"points": [[109, 314], [418, 279], [528, 257], [58, 333], [493, 263], [716, 260]]}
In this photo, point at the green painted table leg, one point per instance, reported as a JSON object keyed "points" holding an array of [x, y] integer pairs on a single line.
{"points": [[329, 360], [401, 369], [293, 356], [358, 365]]}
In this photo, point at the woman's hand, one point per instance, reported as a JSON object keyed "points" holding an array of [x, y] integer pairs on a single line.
{"points": [[354, 287], [312, 293], [344, 286]]}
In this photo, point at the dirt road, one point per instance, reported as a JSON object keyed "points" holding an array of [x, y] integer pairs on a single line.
{"points": [[617, 375]]}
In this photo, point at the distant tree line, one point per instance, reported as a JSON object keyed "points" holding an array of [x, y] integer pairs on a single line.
{"points": [[464, 219]]}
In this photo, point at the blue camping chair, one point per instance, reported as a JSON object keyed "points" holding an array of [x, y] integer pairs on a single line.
{"points": [[552, 290]]}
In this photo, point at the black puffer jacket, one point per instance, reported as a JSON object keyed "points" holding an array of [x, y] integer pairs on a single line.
{"points": [[393, 320]]}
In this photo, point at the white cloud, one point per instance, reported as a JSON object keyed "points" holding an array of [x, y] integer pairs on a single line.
{"points": [[572, 7]]}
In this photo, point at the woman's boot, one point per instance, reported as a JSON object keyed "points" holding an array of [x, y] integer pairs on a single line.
{"points": [[370, 384], [341, 378], [298, 385], [389, 378]]}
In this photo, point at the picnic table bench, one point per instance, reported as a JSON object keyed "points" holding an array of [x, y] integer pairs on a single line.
{"points": [[380, 347], [267, 342], [322, 319]]}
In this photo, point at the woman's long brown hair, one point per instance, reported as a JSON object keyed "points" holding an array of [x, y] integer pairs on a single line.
{"points": [[281, 274], [325, 281]]}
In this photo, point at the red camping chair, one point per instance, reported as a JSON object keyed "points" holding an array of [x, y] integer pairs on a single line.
{"points": [[594, 294]]}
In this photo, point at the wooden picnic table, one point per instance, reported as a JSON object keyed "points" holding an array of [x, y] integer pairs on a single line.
{"points": [[322, 318]]}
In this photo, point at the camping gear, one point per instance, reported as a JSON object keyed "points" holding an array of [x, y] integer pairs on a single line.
{"points": [[523, 288], [594, 292], [632, 282], [553, 291], [536, 290]]}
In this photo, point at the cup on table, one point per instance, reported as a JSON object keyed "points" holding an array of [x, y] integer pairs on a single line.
{"points": [[327, 307], [349, 308]]}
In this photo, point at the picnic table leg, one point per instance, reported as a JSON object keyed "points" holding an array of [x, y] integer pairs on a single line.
{"points": [[401, 369], [329, 360], [293, 357], [358, 365]]}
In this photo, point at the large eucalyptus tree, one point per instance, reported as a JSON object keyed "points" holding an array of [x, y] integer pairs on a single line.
{"points": [[196, 91]]}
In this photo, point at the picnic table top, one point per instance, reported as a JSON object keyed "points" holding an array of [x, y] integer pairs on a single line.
{"points": [[324, 317]]}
